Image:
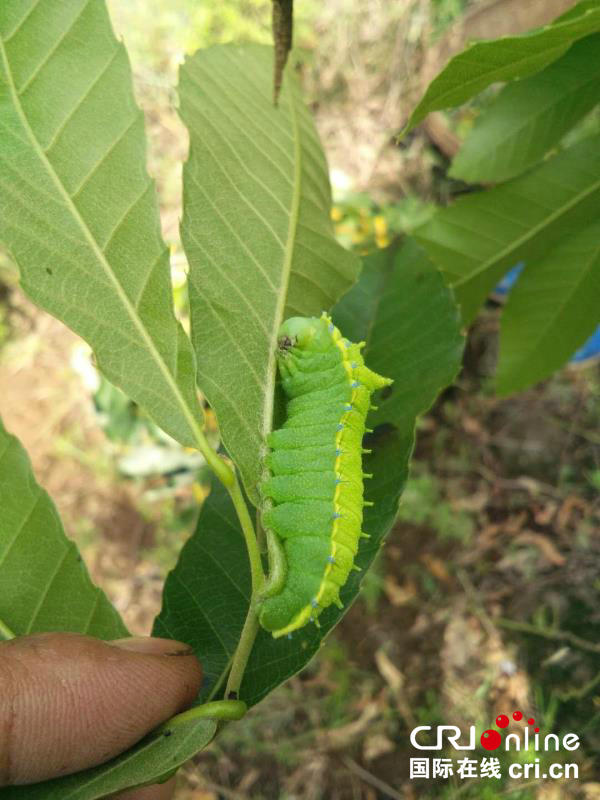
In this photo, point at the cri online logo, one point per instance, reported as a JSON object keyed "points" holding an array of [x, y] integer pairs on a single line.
{"points": [[492, 739]]}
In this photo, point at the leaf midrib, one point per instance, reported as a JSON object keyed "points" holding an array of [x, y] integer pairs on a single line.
{"points": [[128, 306], [287, 269], [529, 234]]}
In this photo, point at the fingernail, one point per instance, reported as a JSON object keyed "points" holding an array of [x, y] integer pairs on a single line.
{"points": [[153, 646]]}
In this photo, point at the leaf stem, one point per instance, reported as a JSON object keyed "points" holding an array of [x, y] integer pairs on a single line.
{"points": [[229, 479], [5, 632], [243, 650], [241, 509], [218, 465], [250, 629], [220, 709]]}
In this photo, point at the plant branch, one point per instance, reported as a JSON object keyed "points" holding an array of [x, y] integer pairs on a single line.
{"points": [[578, 694], [221, 709], [229, 479], [218, 465], [547, 633], [250, 629], [371, 779], [241, 510], [243, 650]]}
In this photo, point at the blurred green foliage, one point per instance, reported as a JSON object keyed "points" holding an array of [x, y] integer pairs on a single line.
{"points": [[362, 223], [444, 12], [423, 503]]}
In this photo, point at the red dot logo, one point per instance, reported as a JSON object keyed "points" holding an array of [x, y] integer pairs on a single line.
{"points": [[491, 739]]}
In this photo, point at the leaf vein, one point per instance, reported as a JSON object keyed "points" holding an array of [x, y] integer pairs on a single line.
{"points": [[94, 168], [223, 273], [21, 91], [43, 595], [235, 234], [80, 101], [21, 22]]}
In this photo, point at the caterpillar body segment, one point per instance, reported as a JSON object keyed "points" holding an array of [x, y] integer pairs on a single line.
{"points": [[315, 463]]}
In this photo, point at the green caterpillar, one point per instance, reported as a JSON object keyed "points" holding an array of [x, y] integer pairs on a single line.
{"points": [[315, 486]]}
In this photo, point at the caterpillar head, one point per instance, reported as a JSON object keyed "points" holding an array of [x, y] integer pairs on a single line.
{"points": [[303, 332]]}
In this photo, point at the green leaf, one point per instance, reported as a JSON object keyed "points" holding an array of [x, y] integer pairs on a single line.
{"points": [[476, 240], [551, 311], [504, 59], [402, 309], [410, 323], [78, 211], [206, 596], [150, 761], [578, 9], [529, 117], [257, 233], [44, 585]]}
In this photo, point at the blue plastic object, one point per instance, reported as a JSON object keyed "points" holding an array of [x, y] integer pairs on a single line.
{"points": [[508, 281], [587, 352], [591, 349]]}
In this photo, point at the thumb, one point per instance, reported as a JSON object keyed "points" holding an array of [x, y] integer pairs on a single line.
{"points": [[68, 702]]}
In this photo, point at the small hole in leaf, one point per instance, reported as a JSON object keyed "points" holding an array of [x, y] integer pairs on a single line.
{"points": [[48, 270]]}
